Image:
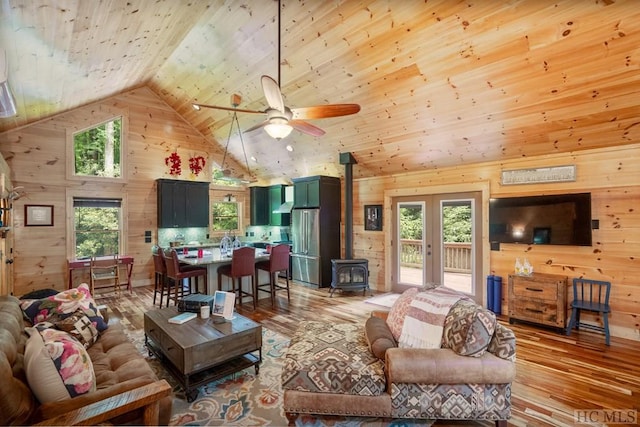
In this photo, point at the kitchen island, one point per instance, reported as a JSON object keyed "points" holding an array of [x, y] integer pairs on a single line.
{"points": [[212, 258]]}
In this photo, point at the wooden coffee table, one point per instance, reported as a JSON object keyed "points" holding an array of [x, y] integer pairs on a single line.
{"points": [[202, 350]]}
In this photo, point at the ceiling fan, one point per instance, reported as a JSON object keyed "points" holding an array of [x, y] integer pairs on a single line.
{"points": [[280, 118]]}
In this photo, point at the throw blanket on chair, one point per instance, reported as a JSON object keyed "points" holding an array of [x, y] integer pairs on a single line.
{"points": [[424, 321]]}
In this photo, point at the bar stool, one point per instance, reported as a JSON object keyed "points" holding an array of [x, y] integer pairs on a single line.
{"points": [[162, 282], [243, 263], [178, 273], [278, 261]]}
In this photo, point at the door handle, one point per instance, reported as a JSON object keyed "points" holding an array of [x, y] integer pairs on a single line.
{"points": [[9, 261]]}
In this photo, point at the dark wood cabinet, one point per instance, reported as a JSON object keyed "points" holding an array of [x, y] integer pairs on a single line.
{"points": [[259, 210], [316, 191], [182, 203], [264, 200], [539, 298]]}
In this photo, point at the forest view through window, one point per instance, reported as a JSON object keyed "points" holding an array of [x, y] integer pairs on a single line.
{"points": [[225, 216], [97, 150], [97, 226]]}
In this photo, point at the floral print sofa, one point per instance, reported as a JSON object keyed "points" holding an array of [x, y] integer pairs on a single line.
{"points": [[378, 369], [59, 355]]}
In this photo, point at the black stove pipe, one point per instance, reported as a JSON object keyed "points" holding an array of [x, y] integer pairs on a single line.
{"points": [[348, 161]]}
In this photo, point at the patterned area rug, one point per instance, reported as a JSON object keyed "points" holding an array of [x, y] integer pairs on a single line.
{"points": [[244, 399]]}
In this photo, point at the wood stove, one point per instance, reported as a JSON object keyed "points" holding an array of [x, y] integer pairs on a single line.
{"points": [[349, 275]]}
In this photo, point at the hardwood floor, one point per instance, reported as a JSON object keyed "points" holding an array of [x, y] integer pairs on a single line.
{"points": [[556, 374]]}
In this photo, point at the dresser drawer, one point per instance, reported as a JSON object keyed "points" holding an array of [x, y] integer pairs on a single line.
{"points": [[539, 298], [531, 290], [538, 312]]}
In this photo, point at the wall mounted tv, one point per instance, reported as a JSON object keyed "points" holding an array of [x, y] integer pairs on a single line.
{"points": [[559, 219]]}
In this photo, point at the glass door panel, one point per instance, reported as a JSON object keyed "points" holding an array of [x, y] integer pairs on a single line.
{"points": [[456, 229], [411, 257], [438, 239]]}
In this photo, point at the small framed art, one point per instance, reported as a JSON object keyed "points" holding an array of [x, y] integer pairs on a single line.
{"points": [[373, 217], [38, 215]]}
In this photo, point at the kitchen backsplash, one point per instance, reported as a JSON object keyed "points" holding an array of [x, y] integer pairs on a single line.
{"points": [[201, 235], [267, 233], [186, 235]]}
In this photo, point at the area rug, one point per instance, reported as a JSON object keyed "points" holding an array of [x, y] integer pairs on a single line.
{"points": [[244, 399], [384, 300]]}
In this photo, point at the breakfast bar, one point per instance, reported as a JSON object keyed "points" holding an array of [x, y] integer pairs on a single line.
{"points": [[212, 258]]}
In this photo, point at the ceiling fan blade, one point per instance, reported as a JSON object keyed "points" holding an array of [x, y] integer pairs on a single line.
{"points": [[324, 111], [258, 126], [306, 127], [217, 107], [272, 93]]}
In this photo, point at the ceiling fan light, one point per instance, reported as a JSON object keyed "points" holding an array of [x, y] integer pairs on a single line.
{"points": [[278, 129]]}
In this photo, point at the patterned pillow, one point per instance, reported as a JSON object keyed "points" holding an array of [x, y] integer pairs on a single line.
{"points": [[79, 326], [64, 304], [468, 329], [57, 366], [398, 311]]}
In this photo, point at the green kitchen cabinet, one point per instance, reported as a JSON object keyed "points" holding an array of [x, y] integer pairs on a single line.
{"points": [[316, 191], [182, 203]]}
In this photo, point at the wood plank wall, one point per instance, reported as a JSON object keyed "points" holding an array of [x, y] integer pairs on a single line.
{"points": [[36, 156], [611, 175]]}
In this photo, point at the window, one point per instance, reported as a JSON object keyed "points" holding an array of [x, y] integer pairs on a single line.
{"points": [[225, 216], [97, 226], [97, 151]]}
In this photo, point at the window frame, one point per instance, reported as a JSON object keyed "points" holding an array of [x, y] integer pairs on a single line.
{"points": [[103, 194], [124, 132]]}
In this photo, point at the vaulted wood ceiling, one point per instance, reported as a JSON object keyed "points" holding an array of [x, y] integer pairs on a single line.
{"points": [[440, 83]]}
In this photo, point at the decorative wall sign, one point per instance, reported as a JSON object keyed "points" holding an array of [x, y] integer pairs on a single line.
{"points": [[539, 175], [373, 217], [38, 215]]}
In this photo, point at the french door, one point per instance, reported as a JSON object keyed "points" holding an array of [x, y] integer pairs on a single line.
{"points": [[437, 240]]}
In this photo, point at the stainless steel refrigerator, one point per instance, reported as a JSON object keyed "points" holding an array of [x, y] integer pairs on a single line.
{"points": [[305, 252]]}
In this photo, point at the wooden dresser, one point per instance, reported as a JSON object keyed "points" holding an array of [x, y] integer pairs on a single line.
{"points": [[539, 298]]}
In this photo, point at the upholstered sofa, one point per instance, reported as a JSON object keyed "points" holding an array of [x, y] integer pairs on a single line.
{"points": [[119, 386], [365, 370]]}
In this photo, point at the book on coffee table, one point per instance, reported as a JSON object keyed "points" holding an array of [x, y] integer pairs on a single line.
{"points": [[182, 318]]}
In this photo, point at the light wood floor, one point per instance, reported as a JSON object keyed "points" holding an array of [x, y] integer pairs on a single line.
{"points": [[556, 374]]}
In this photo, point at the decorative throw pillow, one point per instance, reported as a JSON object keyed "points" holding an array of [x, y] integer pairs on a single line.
{"points": [[64, 304], [468, 329], [79, 326], [395, 318], [57, 366], [378, 336]]}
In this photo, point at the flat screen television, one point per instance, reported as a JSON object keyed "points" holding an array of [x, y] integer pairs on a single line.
{"points": [[559, 219]]}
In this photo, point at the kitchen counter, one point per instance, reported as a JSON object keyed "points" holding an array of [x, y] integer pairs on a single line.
{"points": [[213, 259]]}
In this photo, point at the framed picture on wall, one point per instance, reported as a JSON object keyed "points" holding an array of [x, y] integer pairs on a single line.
{"points": [[373, 217], [38, 215]]}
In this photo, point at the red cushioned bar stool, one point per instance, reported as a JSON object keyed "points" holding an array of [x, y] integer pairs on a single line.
{"points": [[277, 262]]}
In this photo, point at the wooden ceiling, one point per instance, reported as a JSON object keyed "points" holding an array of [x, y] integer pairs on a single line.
{"points": [[440, 83]]}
